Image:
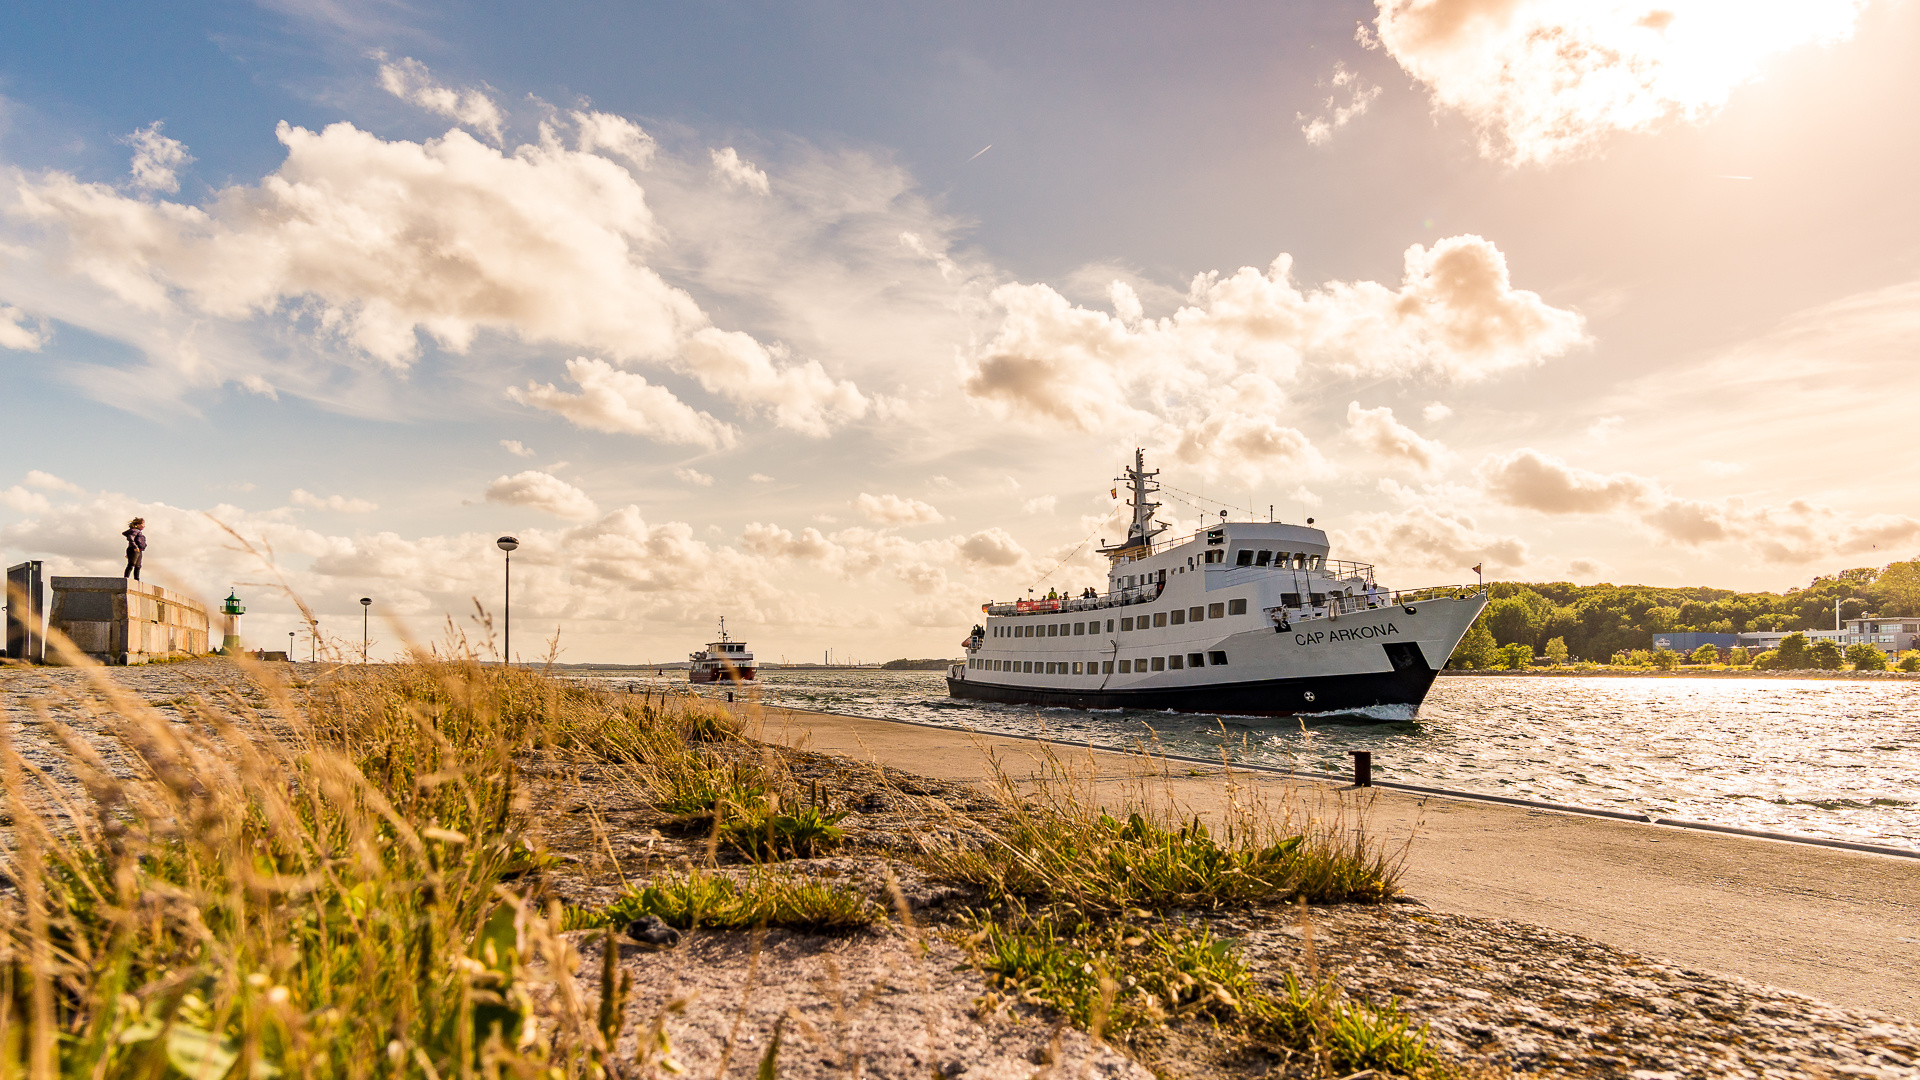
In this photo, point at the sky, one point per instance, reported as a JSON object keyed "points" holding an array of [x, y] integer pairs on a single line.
{"points": [[837, 320]]}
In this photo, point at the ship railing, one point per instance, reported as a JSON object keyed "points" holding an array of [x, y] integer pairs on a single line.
{"points": [[1337, 604], [1136, 594]]}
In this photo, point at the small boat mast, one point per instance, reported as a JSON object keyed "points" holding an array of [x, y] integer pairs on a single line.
{"points": [[1140, 486]]}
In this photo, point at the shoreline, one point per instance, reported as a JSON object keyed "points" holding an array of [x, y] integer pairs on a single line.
{"points": [[1748, 907]]}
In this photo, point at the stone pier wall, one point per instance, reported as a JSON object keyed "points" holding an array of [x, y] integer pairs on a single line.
{"points": [[121, 621]]}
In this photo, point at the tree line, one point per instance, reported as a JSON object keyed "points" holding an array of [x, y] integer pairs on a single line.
{"points": [[1596, 621]]}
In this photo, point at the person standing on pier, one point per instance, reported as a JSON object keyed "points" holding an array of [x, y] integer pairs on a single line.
{"points": [[136, 535]]}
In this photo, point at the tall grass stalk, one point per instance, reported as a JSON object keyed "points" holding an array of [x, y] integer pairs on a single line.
{"points": [[332, 886]]}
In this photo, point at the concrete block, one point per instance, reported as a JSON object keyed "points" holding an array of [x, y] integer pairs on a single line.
{"points": [[121, 621]]}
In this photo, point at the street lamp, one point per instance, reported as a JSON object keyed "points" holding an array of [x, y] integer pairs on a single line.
{"points": [[366, 602], [313, 641], [507, 544], [290, 634]]}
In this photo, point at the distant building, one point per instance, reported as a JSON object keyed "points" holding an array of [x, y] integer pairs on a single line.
{"points": [[1685, 641], [1758, 640], [1889, 635]]}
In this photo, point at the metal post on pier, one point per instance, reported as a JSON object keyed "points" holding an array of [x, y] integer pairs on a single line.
{"points": [[1362, 768]]}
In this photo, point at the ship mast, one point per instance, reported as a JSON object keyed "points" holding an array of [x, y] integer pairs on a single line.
{"points": [[1141, 531]]}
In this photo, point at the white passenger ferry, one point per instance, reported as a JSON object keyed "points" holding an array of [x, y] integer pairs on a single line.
{"points": [[1244, 618], [725, 660]]}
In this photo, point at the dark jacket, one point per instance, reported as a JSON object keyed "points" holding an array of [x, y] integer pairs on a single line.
{"points": [[136, 538]]}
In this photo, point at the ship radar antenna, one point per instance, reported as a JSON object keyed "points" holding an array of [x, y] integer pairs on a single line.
{"points": [[1141, 486]]}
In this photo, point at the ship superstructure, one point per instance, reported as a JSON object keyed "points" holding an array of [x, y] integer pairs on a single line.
{"points": [[1243, 617], [725, 660]]}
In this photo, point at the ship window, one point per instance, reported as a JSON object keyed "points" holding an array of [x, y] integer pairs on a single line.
{"points": [[1053, 630], [1109, 626], [1319, 598], [1106, 667], [1126, 667], [1159, 618], [1079, 629], [1313, 562], [1195, 659], [1159, 663], [1236, 607], [1126, 623], [1197, 614], [1289, 599], [1026, 667], [1174, 661], [1262, 557], [1076, 667], [1217, 658], [1216, 611], [1177, 616], [1245, 558]]}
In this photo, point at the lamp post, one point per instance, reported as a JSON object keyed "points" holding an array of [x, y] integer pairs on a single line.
{"points": [[366, 602], [313, 641], [507, 544], [290, 634]]}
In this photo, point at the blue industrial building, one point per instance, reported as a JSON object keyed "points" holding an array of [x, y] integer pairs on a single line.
{"points": [[1685, 641]]}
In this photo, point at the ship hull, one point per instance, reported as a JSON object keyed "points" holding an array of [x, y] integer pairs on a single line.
{"points": [[1385, 655], [1263, 697], [720, 674]]}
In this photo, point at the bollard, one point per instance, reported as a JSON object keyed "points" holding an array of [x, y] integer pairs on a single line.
{"points": [[729, 697], [1362, 768]]}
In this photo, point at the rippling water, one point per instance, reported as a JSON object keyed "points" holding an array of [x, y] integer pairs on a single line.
{"points": [[1819, 757]]}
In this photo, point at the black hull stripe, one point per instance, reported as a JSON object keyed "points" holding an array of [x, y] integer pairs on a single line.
{"points": [[1267, 697]]}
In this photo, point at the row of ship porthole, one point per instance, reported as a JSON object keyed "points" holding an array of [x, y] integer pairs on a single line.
{"points": [[1140, 666], [1177, 617]]}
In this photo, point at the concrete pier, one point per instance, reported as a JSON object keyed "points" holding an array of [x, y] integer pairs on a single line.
{"points": [[122, 621], [1839, 925]]}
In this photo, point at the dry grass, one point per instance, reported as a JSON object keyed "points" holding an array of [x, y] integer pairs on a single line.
{"points": [[343, 893]]}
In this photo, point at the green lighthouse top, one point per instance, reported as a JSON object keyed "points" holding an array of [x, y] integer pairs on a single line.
{"points": [[232, 606]]}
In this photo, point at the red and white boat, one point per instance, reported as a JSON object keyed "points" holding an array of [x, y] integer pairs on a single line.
{"points": [[725, 660]]}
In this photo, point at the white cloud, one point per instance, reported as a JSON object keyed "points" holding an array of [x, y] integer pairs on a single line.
{"points": [[1797, 532], [368, 242], [992, 547], [1042, 504], [616, 135], [409, 80], [155, 159], [894, 510], [693, 476], [49, 482], [801, 396], [1528, 479], [760, 478], [543, 491], [338, 503], [516, 448], [1422, 538], [771, 540], [621, 402], [19, 499], [1603, 429], [1547, 80], [1333, 115], [1210, 375], [736, 172], [1435, 411], [15, 333], [1388, 438]]}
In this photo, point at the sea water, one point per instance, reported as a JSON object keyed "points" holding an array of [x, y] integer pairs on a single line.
{"points": [[1834, 758]]}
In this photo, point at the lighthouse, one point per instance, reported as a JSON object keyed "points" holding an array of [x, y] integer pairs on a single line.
{"points": [[233, 609]]}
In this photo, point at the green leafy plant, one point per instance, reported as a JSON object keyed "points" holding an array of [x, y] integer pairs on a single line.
{"points": [[1866, 657], [709, 901]]}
